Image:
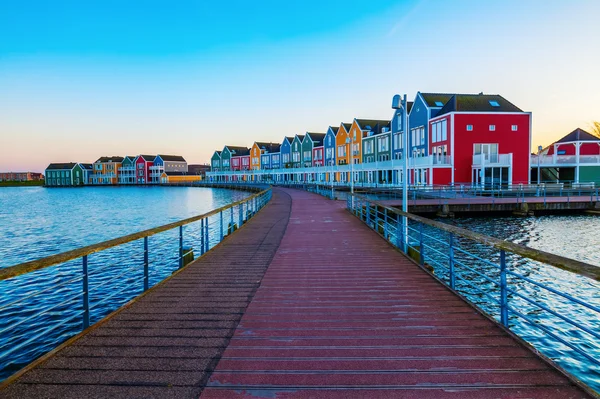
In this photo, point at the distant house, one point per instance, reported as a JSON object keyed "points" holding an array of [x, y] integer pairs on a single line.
{"points": [[178, 177], [20, 176], [215, 161], [286, 152], [142, 168], [425, 107], [231, 157], [329, 144], [106, 170], [312, 142], [88, 171], [261, 155], [575, 157], [167, 163], [199, 170], [296, 150], [127, 170], [64, 175]]}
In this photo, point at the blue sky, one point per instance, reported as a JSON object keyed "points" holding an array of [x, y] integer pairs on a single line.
{"points": [[83, 79]]}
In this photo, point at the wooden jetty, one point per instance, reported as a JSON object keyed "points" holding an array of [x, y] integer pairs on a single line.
{"points": [[303, 301]]}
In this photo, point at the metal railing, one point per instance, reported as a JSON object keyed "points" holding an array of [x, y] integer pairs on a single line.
{"points": [[46, 301], [504, 281]]}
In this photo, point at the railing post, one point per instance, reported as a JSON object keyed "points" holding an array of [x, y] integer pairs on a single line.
{"points": [[180, 247], [201, 236], [451, 260], [207, 240], [421, 247], [385, 223], [146, 263], [86, 296], [221, 217], [368, 210], [231, 231], [503, 290]]}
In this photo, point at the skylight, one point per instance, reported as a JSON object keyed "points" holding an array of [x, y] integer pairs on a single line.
{"points": [[439, 104], [494, 103]]}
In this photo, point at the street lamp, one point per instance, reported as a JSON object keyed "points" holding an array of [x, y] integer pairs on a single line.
{"points": [[401, 103], [348, 141], [538, 157]]}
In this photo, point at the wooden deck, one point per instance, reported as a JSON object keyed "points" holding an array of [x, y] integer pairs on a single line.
{"points": [[342, 314], [339, 313]]}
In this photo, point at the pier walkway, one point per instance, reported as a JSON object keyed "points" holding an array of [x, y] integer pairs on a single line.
{"points": [[339, 313]]}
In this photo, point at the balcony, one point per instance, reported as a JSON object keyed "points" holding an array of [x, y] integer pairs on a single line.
{"points": [[492, 159], [565, 160]]}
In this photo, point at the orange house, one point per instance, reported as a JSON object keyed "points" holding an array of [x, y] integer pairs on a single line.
{"points": [[106, 170], [255, 153], [342, 152]]}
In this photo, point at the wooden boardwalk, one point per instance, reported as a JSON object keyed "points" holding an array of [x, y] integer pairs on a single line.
{"points": [[339, 313], [342, 314]]}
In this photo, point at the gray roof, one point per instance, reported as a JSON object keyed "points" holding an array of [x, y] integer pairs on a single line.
{"points": [[148, 158], [238, 151], [432, 98], [373, 125], [172, 158], [578, 135], [478, 103], [269, 147], [87, 166], [317, 138], [67, 165], [110, 159]]}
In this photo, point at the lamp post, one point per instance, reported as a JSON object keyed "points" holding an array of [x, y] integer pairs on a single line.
{"points": [[349, 141], [401, 103], [538, 159]]}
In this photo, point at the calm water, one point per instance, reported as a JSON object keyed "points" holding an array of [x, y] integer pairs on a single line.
{"points": [[37, 222], [573, 236]]}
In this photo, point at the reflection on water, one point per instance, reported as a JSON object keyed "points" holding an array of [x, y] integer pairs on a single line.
{"points": [[37, 222], [573, 236]]}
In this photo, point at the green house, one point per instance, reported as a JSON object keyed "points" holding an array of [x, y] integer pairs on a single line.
{"points": [[215, 161], [126, 173], [311, 140], [64, 175]]}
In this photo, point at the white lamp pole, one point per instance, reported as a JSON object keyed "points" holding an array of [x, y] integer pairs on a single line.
{"points": [[350, 141], [404, 105], [539, 177]]}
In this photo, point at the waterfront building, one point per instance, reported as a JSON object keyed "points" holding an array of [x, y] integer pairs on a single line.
{"points": [[215, 161], [142, 168], [231, 159], [286, 152], [88, 171], [106, 170], [470, 139], [573, 158], [21, 176], [64, 175], [199, 170], [296, 151], [127, 170], [178, 177], [273, 156], [167, 163], [477, 139]]}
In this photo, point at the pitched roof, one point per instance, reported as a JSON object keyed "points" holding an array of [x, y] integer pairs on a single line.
{"points": [[147, 157], [347, 126], [67, 165], [110, 159], [578, 135], [300, 137], [334, 128], [478, 103], [239, 151], [88, 166], [434, 99], [217, 152], [409, 105], [373, 125], [269, 147], [178, 173], [197, 169], [172, 158], [317, 138]]}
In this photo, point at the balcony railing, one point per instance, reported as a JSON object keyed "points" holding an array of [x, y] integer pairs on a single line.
{"points": [[492, 159], [546, 160]]}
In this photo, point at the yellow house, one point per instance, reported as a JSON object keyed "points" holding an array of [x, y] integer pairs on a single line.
{"points": [[106, 170], [342, 152]]}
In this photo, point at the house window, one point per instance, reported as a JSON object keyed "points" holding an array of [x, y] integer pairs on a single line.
{"points": [[399, 122], [514, 128], [286, 158], [469, 128], [492, 128]]}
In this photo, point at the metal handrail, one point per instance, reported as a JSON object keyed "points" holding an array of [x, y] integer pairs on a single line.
{"points": [[561, 262], [38, 264]]}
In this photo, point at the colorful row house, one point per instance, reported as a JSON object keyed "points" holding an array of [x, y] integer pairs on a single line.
{"points": [[140, 169], [473, 139]]}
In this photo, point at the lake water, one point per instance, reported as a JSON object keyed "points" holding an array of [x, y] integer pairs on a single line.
{"points": [[36, 222]]}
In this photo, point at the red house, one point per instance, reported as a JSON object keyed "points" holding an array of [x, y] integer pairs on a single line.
{"points": [[317, 156], [142, 168], [236, 163], [479, 139]]}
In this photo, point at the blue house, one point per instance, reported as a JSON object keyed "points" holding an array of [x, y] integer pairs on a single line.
{"points": [[286, 152], [397, 122], [425, 107], [330, 145]]}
